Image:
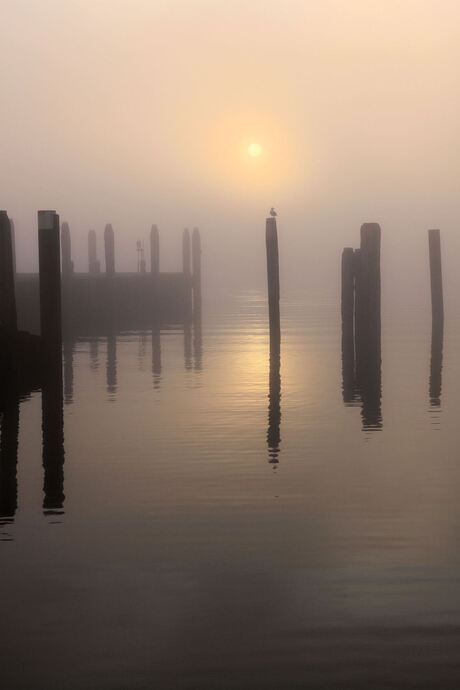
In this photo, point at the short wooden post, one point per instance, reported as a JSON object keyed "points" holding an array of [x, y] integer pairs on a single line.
{"points": [[348, 339], [109, 243], [50, 282], [437, 301], [66, 249], [154, 250], [8, 318], [93, 263], [196, 268], [271, 240]]}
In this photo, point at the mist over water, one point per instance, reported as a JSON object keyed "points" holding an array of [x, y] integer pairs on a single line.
{"points": [[142, 114], [196, 499]]}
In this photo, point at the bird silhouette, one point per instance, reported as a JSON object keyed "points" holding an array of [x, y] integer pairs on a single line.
{"points": [[273, 213]]}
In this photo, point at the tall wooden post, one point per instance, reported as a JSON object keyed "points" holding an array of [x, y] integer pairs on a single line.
{"points": [[50, 283], [196, 269], [93, 263], [154, 250], [437, 300], [8, 317], [66, 249], [271, 240]]}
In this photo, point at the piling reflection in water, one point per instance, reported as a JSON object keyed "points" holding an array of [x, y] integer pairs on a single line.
{"points": [[274, 407], [187, 347], [53, 442], [156, 357], [8, 462], [197, 337], [94, 353], [435, 385], [68, 351], [111, 370]]}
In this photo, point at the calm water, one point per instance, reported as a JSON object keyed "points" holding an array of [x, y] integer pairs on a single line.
{"points": [[218, 527]]}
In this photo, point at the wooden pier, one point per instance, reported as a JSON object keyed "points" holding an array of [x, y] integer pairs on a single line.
{"points": [[96, 302]]}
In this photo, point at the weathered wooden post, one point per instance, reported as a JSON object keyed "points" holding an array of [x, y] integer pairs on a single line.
{"points": [[66, 249], [348, 337], [186, 269], [437, 301], [93, 263], [8, 318], [50, 283], [154, 250], [109, 243], [271, 240], [196, 268]]}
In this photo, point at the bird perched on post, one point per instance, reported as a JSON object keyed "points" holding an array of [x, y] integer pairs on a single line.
{"points": [[273, 213]]}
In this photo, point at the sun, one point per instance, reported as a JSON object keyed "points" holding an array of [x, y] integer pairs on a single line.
{"points": [[254, 149]]}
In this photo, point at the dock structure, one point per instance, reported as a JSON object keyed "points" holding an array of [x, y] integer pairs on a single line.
{"points": [[97, 302]]}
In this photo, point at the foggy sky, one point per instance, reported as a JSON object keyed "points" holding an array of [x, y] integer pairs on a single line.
{"points": [[138, 111]]}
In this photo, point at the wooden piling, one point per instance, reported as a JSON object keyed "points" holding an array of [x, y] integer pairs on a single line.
{"points": [[109, 243], [66, 252], [196, 268], [154, 250], [437, 301], [8, 318], [93, 263], [271, 240], [50, 283]]}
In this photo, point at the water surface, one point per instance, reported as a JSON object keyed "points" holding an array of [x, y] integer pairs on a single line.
{"points": [[195, 520]]}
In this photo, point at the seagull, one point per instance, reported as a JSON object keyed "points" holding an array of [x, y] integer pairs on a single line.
{"points": [[273, 213]]}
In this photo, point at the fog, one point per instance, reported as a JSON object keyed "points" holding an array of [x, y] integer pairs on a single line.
{"points": [[141, 112]]}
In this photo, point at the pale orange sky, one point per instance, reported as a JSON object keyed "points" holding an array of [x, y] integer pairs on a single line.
{"points": [[139, 111]]}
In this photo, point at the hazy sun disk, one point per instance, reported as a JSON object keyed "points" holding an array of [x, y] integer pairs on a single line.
{"points": [[254, 150]]}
